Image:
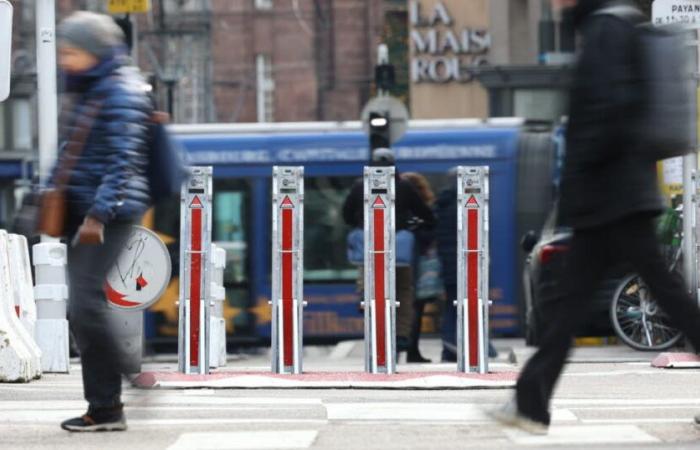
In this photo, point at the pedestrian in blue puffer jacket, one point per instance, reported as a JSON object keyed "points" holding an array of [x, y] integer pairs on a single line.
{"points": [[107, 192]]}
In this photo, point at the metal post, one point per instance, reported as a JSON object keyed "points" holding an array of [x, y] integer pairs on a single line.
{"points": [[689, 166], [380, 270], [195, 270], [472, 269], [287, 269], [690, 203], [46, 82]]}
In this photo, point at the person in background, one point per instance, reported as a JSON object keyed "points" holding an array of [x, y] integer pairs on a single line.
{"points": [[409, 205], [107, 192], [446, 240], [427, 283]]}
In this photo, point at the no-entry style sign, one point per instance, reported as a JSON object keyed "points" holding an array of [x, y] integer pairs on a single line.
{"points": [[141, 273]]}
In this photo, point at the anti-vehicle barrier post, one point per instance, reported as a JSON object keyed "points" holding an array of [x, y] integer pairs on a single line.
{"points": [[379, 269], [287, 269], [195, 271], [51, 294], [472, 269]]}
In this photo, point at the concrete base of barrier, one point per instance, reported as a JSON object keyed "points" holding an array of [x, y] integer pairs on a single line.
{"points": [[327, 380], [673, 360], [217, 343], [52, 337]]}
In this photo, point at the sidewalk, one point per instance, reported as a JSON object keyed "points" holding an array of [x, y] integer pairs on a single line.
{"points": [[342, 367]]}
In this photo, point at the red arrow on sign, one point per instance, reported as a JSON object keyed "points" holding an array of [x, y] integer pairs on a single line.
{"points": [[378, 203], [287, 203], [472, 203], [196, 202]]}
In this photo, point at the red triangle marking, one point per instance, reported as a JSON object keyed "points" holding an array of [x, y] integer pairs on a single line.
{"points": [[378, 203], [472, 203], [196, 202], [287, 203]]}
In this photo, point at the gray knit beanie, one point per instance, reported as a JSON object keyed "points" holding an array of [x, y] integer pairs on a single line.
{"points": [[95, 33]]}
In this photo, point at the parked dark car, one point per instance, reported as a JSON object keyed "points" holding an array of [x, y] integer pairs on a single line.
{"points": [[542, 277]]}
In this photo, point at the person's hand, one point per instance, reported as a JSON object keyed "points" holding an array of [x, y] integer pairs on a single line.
{"points": [[91, 232]]}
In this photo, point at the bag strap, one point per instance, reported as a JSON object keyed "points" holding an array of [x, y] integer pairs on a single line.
{"points": [[76, 144]]}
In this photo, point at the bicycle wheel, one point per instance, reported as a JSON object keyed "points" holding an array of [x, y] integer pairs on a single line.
{"points": [[637, 319]]}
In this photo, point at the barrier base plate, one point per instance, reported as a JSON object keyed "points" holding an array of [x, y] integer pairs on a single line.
{"points": [[327, 380], [673, 360]]}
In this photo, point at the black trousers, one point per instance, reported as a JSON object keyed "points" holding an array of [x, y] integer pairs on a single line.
{"points": [[102, 361], [593, 251]]}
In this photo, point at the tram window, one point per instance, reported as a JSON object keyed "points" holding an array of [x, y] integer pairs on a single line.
{"points": [[230, 230], [325, 231]]}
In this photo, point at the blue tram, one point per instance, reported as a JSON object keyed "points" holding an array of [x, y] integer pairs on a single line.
{"points": [[333, 155]]}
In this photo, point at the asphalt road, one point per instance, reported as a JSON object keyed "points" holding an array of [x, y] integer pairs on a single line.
{"points": [[610, 397]]}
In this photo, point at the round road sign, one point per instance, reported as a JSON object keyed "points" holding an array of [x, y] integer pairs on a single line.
{"points": [[141, 273]]}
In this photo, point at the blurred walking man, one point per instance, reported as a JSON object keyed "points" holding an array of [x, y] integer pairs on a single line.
{"points": [[105, 157], [609, 197]]}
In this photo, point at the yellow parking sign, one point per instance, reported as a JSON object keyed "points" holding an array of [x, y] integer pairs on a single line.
{"points": [[128, 6]]}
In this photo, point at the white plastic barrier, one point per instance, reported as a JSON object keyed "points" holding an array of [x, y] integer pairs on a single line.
{"points": [[217, 341], [20, 359], [51, 293], [23, 286]]}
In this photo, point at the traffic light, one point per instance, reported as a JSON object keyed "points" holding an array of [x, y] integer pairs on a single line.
{"points": [[379, 132]]}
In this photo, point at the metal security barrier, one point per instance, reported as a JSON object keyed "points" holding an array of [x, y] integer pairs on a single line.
{"points": [[472, 269], [195, 272], [379, 270], [287, 269]]}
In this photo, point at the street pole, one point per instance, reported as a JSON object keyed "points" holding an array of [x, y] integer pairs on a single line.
{"points": [[690, 167], [51, 331], [46, 83]]}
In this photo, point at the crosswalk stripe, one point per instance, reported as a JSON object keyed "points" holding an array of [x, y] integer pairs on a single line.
{"points": [[572, 402], [422, 412], [583, 435], [246, 440]]}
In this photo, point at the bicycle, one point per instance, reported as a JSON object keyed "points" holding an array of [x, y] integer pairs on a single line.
{"points": [[636, 317]]}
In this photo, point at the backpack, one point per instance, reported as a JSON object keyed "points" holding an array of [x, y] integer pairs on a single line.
{"points": [[166, 170], [665, 122]]}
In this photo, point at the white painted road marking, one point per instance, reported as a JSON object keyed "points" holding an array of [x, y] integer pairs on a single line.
{"points": [[583, 435], [422, 412], [245, 440]]}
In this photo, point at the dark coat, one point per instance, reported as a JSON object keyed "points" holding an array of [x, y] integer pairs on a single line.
{"points": [[605, 177], [446, 235], [108, 182], [409, 205]]}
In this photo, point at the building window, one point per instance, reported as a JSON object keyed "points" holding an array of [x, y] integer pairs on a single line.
{"points": [[265, 89], [263, 4]]}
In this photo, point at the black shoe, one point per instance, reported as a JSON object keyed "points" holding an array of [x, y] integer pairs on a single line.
{"points": [[416, 357], [401, 344], [448, 356], [98, 419]]}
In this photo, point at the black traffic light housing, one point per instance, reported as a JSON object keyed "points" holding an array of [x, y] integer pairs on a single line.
{"points": [[379, 131]]}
